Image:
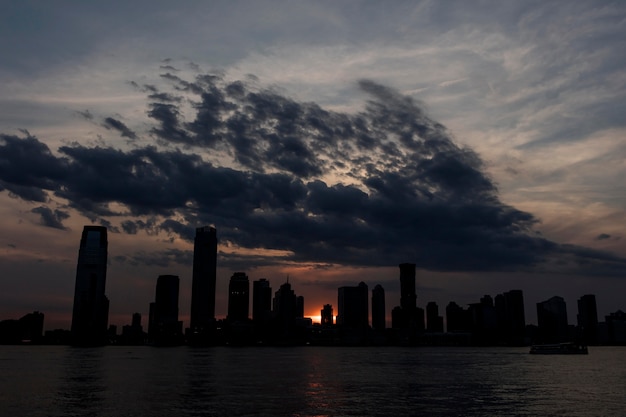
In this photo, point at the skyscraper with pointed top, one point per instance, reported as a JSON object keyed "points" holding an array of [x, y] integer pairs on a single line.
{"points": [[91, 306], [203, 283]]}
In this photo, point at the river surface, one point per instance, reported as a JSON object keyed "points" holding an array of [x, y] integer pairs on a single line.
{"points": [[309, 381]]}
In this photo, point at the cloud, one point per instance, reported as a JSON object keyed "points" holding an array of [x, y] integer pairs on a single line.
{"points": [[158, 258], [380, 186], [111, 123], [51, 218]]}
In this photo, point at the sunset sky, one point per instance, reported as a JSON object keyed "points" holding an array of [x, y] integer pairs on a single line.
{"points": [[326, 141]]}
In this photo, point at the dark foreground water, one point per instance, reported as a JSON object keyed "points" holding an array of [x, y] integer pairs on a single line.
{"points": [[309, 381]]}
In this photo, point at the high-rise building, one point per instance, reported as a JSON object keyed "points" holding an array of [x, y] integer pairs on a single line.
{"points": [[284, 304], [588, 319], [353, 307], [434, 322], [457, 318], [203, 282], [552, 320], [408, 316], [164, 327], [91, 306], [378, 308], [514, 317], [261, 300], [408, 297], [238, 297], [326, 315]]}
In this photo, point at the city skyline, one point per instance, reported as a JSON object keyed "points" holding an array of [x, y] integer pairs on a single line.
{"points": [[354, 310], [326, 142]]}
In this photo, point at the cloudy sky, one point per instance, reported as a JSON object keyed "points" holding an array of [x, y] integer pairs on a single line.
{"points": [[326, 141]]}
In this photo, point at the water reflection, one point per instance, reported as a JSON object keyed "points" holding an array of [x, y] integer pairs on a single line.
{"points": [[313, 381], [82, 388]]}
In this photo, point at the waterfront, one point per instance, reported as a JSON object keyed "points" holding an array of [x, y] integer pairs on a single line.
{"points": [[308, 381]]}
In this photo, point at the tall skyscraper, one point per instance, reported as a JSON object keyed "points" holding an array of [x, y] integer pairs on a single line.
{"points": [[91, 306], [164, 327], [514, 317], [552, 320], [203, 282], [353, 307], [261, 300], [408, 297], [284, 304], [238, 297], [588, 319], [378, 308]]}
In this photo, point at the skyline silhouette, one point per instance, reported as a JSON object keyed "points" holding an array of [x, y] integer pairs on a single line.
{"points": [[492, 321]]}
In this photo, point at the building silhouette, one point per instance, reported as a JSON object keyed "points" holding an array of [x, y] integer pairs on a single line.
{"points": [[615, 324], [261, 300], [27, 329], [511, 317], [204, 277], [552, 320], [408, 297], [238, 297], [164, 329], [407, 316], [378, 308], [434, 322], [91, 306], [457, 318], [133, 334], [326, 315], [587, 319], [353, 307], [284, 304], [353, 314]]}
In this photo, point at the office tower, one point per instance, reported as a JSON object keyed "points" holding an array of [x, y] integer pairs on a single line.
{"points": [[284, 304], [552, 320], [378, 308], [588, 319], [261, 300], [434, 322], [514, 321], [353, 307], [326, 315], [164, 327], [457, 318], [408, 297], [91, 306], [203, 282], [238, 297], [300, 306]]}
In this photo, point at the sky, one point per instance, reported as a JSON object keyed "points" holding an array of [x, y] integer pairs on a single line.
{"points": [[326, 141]]}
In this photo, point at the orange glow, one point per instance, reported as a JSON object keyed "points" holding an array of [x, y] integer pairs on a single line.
{"points": [[316, 318]]}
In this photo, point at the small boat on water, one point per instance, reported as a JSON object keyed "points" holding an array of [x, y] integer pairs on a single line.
{"points": [[559, 349]]}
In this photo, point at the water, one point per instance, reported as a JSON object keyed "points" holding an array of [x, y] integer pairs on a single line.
{"points": [[309, 381]]}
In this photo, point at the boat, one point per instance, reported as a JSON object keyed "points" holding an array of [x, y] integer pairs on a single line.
{"points": [[568, 348]]}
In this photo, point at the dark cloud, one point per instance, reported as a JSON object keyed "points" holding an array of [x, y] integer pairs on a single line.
{"points": [[164, 258], [85, 114], [603, 236], [111, 123], [51, 218], [378, 187]]}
